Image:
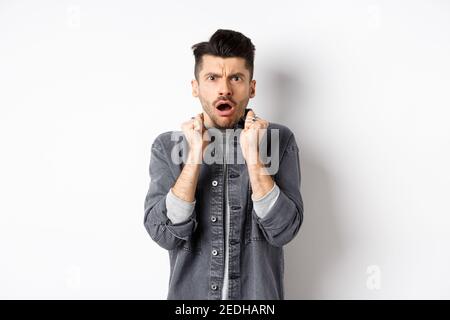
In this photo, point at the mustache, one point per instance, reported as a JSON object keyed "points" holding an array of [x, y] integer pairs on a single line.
{"points": [[222, 98]]}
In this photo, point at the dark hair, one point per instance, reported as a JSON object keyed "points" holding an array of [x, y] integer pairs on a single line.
{"points": [[225, 43]]}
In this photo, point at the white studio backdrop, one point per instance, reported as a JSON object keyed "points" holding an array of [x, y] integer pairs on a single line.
{"points": [[85, 87]]}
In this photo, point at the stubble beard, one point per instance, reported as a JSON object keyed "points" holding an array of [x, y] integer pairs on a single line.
{"points": [[210, 110]]}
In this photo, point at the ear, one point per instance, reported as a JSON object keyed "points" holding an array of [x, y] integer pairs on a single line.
{"points": [[194, 84], [252, 88]]}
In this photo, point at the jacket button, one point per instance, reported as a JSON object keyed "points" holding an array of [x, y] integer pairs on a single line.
{"points": [[214, 183], [214, 286], [214, 252], [213, 218]]}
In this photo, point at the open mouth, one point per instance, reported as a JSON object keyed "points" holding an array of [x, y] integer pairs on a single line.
{"points": [[224, 107]]}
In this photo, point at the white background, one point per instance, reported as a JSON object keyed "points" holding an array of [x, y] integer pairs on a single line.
{"points": [[85, 87]]}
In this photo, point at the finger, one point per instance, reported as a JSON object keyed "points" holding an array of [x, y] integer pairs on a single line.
{"points": [[255, 120], [250, 114], [198, 123], [202, 118], [255, 126], [260, 124], [256, 123], [188, 125], [248, 119]]}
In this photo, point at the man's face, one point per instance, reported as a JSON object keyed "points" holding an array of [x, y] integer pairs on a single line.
{"points": [[223, 80]]}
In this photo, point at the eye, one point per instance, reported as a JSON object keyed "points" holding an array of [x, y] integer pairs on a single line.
{"points": [[209, 77], [236, 77]]}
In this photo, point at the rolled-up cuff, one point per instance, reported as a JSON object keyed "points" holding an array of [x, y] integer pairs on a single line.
{"points": [[178, 210], [264, 204]]}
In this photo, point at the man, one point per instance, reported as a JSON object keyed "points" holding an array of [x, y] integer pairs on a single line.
{"points": [[223, 223]]}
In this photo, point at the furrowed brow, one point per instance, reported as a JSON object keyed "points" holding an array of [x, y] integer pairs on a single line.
{"points": [[212, 74], [240, 74]]}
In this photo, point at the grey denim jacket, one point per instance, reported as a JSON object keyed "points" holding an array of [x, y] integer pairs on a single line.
{"points": [[196, 246]]}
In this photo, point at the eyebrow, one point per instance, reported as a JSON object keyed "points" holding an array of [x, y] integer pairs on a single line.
{"points": [[240, 74]]}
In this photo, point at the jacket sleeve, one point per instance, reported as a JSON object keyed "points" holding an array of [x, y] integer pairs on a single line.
{"points": [[282, 222], [160, 228]]}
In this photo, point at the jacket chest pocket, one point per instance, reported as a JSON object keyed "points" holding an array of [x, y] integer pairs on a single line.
{"points": [[252, 229]]}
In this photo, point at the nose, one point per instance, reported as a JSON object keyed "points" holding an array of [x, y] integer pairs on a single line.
{"points": [[224, 88]]}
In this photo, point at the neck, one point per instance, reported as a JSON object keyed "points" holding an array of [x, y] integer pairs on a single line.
{"points": [[209, 125]]}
